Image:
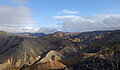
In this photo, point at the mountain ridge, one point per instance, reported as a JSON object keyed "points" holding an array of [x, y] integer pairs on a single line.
{"points": [[17, 51]]}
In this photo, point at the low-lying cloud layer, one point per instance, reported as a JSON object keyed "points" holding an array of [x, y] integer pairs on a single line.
{"points": [[39, 30], [73, 23]]}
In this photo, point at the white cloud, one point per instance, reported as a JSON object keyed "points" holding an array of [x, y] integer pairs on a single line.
{"points": [[89, 23], [69, 12], [46, 30], [39, 30], [65, 17], [18, 18], [13, 18]]}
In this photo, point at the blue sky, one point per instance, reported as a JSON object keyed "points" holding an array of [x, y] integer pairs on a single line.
{"points": [[45, 9], [60, 15]]}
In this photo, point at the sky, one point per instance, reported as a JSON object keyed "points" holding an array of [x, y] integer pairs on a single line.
{"points": [[49, 16]]}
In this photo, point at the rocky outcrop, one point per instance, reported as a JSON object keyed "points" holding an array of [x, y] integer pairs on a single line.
{"points": [[52, 55], [51, 61]]}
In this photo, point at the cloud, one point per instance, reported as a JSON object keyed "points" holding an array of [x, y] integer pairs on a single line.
{"points": [[65, 17], [18, 18], [69, 12], [46, 30], [19, 1], [89, 23], [38, 30], [13, 18]]}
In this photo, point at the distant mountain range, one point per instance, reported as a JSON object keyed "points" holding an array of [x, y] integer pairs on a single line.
{"points": [[28, 34], [60, 51]]}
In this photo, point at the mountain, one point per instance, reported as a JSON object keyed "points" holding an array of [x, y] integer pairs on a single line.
{"points": [[58, 51], [27, 34], [2, 33]]}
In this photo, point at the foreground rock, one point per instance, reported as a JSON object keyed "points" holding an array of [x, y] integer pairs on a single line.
{"points": [[51, 61]]}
